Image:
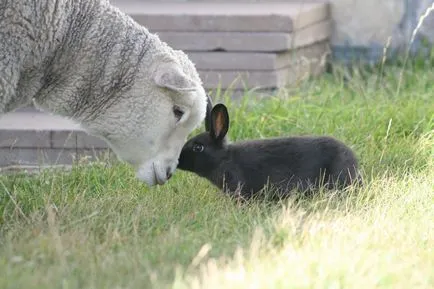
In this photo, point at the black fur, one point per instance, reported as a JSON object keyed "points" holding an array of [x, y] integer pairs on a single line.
{"points": [[245, 168]]}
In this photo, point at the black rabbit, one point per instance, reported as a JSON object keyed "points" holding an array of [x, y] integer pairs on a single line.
{"points": [[245, 168]]}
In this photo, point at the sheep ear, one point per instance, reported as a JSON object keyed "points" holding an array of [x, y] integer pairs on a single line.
{"points": [[220, 122], [208, 114], [170, 76]]}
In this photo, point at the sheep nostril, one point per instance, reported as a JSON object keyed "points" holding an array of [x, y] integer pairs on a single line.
{"points": [[168, 174]]}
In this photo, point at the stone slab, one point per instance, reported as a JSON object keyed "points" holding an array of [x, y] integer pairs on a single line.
{"points": [[251, 41], [225, 17], [255, 60], [33, 129], [76, 139], [66, 138], [87, 141], [47, 156], [35, 120], [24, 138], [239, 80]]}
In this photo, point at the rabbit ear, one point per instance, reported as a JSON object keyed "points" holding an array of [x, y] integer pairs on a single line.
{"points": [[208, 114], [220, 122]]}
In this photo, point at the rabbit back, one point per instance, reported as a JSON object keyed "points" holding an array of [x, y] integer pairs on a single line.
{"points": [[285, 164]]}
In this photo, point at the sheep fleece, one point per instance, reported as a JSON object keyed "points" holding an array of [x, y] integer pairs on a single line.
{"points": [[87, 60]]}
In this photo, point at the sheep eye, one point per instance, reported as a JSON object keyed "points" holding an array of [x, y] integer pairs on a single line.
{"points": [[198, 148], [177, 112]]}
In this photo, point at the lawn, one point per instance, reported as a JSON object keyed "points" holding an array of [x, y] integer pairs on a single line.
{"points": [[98, 227]]}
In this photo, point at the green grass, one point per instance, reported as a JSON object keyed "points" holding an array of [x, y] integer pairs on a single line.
{"points": [[98, 227]]}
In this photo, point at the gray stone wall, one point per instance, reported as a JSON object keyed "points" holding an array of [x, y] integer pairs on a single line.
{"points": [[364, 27]]}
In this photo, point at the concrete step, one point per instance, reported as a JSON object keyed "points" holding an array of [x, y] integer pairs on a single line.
{"points": [[36, 129], [225, 17], [240, 80], [33, 138], [291, 69], [251, 41], [37, 157], [256, 60]]}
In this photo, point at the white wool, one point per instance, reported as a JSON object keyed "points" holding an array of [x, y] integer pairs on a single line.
{"points": [[88, 61]]}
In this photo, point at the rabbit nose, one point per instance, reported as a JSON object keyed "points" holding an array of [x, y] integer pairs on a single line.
{"points": [[168, 174]]}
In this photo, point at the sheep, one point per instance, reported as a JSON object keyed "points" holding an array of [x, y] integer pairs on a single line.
{"points": [[88, 61]]}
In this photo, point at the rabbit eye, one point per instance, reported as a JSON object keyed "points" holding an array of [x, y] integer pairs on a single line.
{"points": [[198, 148], [177, 112]]}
